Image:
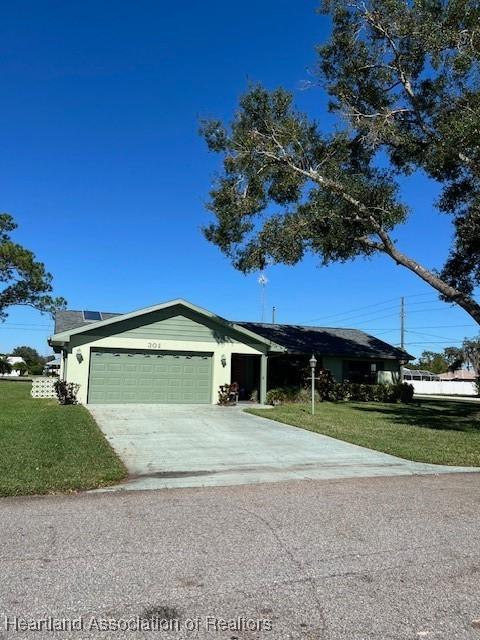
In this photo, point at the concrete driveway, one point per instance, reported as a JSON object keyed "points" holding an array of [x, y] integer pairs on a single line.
{"points": [[167, 446]]}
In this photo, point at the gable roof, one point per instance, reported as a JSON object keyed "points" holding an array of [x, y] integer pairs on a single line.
{"points": [[68, 318], [327, 341], [283, 337]]}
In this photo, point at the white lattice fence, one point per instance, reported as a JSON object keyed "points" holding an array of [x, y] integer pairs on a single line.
{"points": [[43, 388]]}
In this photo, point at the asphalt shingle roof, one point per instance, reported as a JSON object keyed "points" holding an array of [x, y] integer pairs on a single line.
{"points": [[67, 320], [326, 340], [295, 338]]}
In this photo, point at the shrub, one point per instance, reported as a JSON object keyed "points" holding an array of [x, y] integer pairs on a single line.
{"points": [[21, 367], [385, 392], [341, 391], [66, 391], [477, 384], [36, 369], [325, 384], [5, 366], [406, 392], [228, 394], [305, 395], [283, 394]]}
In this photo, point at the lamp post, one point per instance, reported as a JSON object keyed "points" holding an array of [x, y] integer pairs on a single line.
{"points": [[313, 364]]}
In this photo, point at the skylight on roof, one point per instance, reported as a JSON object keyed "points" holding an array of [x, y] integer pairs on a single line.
{"points": [[92, 316]]}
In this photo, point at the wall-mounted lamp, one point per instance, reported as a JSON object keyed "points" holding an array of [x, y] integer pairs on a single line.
{"points": [[223, 360], [78, 355]]}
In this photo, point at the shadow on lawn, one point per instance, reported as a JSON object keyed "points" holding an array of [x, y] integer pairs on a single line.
{"points": [[440, 414]]}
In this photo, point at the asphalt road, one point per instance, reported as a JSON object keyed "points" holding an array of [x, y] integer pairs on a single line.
{"points": [[353, 559]]}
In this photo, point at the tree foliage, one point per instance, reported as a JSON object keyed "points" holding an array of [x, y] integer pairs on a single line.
{"points": [[23, 280], [439, 362], [403, 78], [471, 351], [5, 366], [21, 367], [34, 361], [451, 358]]}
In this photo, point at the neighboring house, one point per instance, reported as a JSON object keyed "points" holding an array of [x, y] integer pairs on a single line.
{"points": [[460, 375], [418, 374], [12, 361], [177, 352], [52, 367]]}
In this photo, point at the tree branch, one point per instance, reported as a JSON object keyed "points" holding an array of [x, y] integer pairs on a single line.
{"points": [[386, 244]]}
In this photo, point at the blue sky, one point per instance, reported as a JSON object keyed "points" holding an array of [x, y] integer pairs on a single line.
{"points": [[103, 169]]}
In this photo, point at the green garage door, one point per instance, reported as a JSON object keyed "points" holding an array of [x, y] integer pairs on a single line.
{"points": [[150, 377]]}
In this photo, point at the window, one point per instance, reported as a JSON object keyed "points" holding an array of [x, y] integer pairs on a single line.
{"points": [[92, 316], [361, 371]]}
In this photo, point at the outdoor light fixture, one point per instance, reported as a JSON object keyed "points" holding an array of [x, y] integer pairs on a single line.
{"points": [[79, 355], [223, 360], [313, 364]]}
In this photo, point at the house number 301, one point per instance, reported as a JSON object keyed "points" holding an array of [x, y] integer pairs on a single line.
{"points": [[154, 345]]}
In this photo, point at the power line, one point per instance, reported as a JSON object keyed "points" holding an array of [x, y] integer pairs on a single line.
{"points": [[25, 326], [446, 326], [390, 315], [351, 314], [436, 342], [427, 310], [32, 329], [429, 335], [351, 311], [372, 315], [437, 326]]}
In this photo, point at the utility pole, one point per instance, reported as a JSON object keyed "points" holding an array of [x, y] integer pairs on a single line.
{"points": [[273, 315], [402, 322]]}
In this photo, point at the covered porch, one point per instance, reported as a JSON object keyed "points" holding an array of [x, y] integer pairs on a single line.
{"points": [[257, 374]]}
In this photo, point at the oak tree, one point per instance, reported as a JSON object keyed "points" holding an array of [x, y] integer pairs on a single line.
{"points": [[403, 78], [23, 280]]}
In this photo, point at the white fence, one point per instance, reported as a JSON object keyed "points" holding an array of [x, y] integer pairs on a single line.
{"points": [[444, 387], [43, 387]]}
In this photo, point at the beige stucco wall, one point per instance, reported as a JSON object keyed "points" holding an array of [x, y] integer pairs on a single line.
{"points": [[391, 372], [78, 371]]}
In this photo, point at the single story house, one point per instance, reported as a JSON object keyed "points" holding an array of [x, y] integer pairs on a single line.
{"points": [[176, 352], [52, 367], [13, 361]]}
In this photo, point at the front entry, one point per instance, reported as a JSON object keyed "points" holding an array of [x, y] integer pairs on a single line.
{"points": [[246, 373]]}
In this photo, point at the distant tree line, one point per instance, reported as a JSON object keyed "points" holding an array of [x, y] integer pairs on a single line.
{"points": [[451, 358], [33, 363]]}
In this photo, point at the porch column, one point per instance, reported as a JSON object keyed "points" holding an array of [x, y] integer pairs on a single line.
{"points": [[263, 378]]}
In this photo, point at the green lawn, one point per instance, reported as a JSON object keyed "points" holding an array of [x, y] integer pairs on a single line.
{"points": [[437, 431], [46, 448]]}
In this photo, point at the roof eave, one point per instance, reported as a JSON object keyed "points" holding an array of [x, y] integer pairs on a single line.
{"points": [[399, 357], [64, 337]]}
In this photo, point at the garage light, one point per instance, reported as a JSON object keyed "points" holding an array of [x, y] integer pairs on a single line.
{"points": [[78, 355], [223, 360]]}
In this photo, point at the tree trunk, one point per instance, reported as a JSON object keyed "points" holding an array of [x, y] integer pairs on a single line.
{"points": [[467, 303]]}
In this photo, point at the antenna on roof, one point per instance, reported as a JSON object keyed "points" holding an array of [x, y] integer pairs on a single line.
{"points": [[262, 281], [402, 322], [273, 315]]}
